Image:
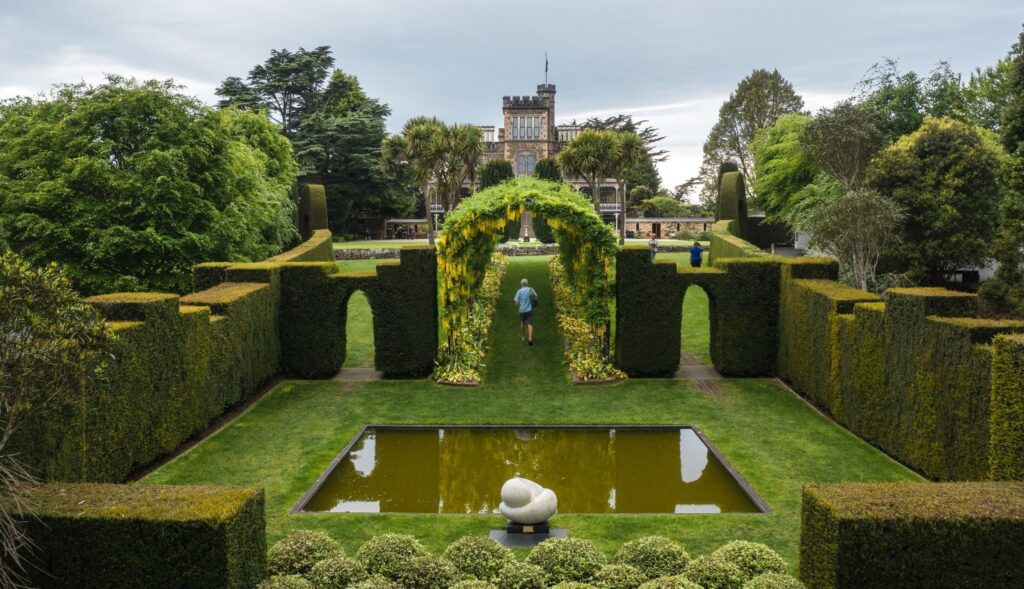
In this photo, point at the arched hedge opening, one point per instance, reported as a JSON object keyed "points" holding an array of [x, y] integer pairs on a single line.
{"points": [[587, 247]]}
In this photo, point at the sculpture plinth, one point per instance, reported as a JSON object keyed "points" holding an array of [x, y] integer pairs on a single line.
{"points": [[528, 506]]}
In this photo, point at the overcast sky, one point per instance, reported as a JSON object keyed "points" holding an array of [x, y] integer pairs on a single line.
{"points": [[671, 61]]}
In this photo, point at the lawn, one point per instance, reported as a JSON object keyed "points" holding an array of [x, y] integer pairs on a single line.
{"points": [[773, 438], [378, 243]]}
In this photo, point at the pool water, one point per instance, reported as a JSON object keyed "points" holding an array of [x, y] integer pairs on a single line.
{"points": [[592, 469]]}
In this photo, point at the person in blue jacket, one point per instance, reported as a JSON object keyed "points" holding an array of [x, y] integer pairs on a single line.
{"points": [[696, 254], [526, 298]]}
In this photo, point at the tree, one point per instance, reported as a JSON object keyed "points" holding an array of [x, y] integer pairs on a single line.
{"points": [[629, 151], [944, 176], [758, 101], [663, 206], [644, 171], [781, 168], [637, 195], [130, 184], [53, 348], [548, 169], [854, 228], [840, 141], [336, 128], [494, 172], [591, 155]]}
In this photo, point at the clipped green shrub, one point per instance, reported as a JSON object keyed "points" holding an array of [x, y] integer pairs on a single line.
{"points": [[426, 572], [404, 303], [285, 582], [654, 556], [336, 572], [542, 230], [674, 582], [712, 573], [478, 557], [774, 581], [385, 554], [751, 558], [898, 535], [474, 584], [1006, 445], [619, 576], [567, 559], [297, 552], [521, 575], [376, 582], [573, 585], [91, 535]]}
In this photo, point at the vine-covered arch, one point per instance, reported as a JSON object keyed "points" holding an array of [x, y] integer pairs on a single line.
{"points": [[587, 246]]}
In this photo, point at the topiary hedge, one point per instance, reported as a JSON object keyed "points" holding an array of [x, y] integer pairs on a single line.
{"points": [[298, 552], [567, 559], [654, 556], [1006, 444], [319, 247], [898, 535], [99, 536]]}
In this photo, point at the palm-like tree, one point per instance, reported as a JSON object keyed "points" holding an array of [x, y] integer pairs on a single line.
{"points": [[457, 149], [414, 149], [591, 155], [631, 150]]}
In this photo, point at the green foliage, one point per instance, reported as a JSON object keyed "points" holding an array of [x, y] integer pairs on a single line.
{"points": [[774, 581], [435, 155], [474, 584], [336, 572], [751, 558], [944, 177], [543, 230], [131, 183], [285, 582], [385, 554], [1006, 445], [714, 573], [426, 572], [676, 582], [573, 585], [299, 551], [146, 536], [376, 582], [593, 156], [583, 342], [478, 557], [619, 576], [921, 535], [781, 169], [567, 559], [461, 359], [654, 556], [548, 169], [840, 141], [663, 206], [521, 575], [494, 172]]}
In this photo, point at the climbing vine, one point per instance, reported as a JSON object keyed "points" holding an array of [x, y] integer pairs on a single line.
{"points": [[587, 249]]}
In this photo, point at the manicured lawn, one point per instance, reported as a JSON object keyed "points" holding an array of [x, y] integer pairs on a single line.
{"points": [[776, 441], [378, 243]]}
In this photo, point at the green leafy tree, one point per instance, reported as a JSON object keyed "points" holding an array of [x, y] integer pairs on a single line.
{"points": [[663, 206], [637, 195], [547, 169], [130, 184], [336, 128], [758, 101], [494, 172], [781, 168], [592, 155], [629, 152], [854, 228], [945, 177], [644, 171], [988, 92], [841, 140], [53, 349]]}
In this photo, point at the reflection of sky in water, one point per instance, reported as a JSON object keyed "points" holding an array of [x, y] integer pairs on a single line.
{"points": [[693, 456], [364, 460], [698, 509], [357, 507]]}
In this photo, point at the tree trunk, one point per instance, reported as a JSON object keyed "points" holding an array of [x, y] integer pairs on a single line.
{"points": [[622, 211]]}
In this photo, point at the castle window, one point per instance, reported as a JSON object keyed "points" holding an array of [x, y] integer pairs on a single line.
{"points": [[525, 163]]}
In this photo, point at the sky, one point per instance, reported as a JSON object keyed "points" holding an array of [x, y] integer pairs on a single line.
{"points": [[672, 62]]}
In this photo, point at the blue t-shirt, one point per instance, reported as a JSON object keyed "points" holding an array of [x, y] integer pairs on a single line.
{"points": [[523, 298], [696, 252]]}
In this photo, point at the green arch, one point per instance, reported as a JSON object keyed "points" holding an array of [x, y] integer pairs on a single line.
{"points": [[587, 246]]}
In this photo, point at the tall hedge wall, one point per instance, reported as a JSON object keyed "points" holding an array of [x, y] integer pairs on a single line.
{"points": [[90, 536], [900, 535], [1006, 442], [648, 307], [318, 248]]}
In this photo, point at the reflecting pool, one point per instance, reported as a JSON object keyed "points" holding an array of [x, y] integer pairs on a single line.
{"points": [[592, 469]]}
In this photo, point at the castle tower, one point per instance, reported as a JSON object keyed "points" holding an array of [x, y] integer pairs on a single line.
{"points": [[529, 124]]}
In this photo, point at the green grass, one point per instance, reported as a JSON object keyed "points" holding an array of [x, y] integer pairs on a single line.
{"points": [[774, 439], [359, 332], [378, 243]]}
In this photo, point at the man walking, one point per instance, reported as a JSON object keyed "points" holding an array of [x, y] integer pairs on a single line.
{"points": [[653, 244], [526, 299], [696, 255]]}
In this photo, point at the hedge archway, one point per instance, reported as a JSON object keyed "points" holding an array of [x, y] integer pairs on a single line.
{"points": [[587, 246]]}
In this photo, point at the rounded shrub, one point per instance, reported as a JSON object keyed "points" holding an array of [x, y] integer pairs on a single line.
{"points": [[376, 582], [567, 559], [297, 552], [478, 557], [673, 582], [714, 573], [474, 584], [774, 581], [383, 555], [521, 575], [336, 572], [619, 576], [573, 585], [751, 558], [426, 572], [655, 556], [285, 582]]}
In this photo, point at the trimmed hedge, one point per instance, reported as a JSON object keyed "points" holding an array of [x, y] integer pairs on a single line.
{"points": [[311, 214], [100, 536], [1006, 444], [898, 535], [318, 248]]}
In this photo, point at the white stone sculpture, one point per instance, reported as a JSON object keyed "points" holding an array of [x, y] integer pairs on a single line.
{"points": [[525, 502]]}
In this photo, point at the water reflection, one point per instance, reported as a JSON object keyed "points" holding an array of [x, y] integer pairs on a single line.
{"points": [[593, 470]]}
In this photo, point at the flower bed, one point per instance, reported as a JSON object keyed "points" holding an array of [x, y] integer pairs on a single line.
{"points": [[582, 340]]}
